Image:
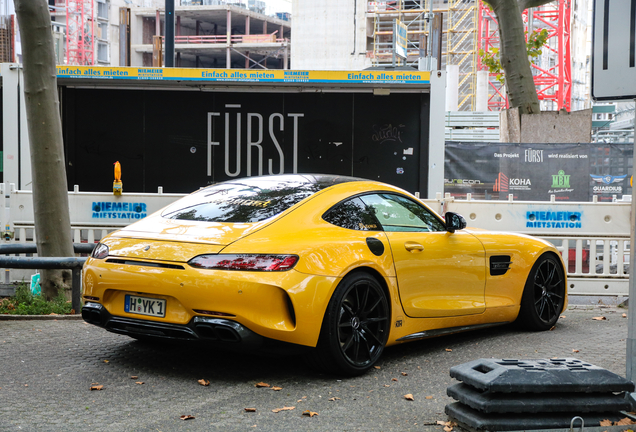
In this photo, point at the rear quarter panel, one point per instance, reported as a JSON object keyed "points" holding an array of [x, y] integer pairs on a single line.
{"points": [[506, 290]]}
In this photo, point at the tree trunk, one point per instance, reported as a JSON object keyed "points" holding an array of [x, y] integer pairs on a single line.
{"points": [[50, 190], [514, 57]]}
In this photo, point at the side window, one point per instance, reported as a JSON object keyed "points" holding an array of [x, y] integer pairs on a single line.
{"points": [[353, 214], [399, 213]]}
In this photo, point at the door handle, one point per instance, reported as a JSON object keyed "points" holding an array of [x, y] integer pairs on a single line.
{"points": [[413, 247]]}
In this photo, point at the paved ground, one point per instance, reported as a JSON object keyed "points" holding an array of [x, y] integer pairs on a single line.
{"points": [[48, 367]]}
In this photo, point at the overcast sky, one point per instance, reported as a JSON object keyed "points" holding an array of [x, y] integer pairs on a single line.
{"points": [[278, 6]]}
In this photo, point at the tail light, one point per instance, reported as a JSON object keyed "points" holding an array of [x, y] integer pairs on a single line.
{"points": [[245, 262]]}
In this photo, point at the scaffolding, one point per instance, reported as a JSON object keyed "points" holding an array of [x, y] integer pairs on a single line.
{"points": [[80, 31], [469, 26], [461, 42], [459, 36], [412, 13]]}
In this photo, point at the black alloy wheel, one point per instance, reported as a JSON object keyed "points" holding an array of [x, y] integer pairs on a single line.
{"points": [[544, 294], [355, 327]]}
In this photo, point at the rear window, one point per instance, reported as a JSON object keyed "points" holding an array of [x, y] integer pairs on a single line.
{"points": [[243, 201]]}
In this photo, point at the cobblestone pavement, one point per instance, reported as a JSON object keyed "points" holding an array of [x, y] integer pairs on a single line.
{"points": [[48, 367]]}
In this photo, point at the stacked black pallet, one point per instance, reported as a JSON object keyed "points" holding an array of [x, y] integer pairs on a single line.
{"points": [[507, 394]]}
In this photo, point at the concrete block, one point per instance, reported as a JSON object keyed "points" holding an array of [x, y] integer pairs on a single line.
{"points": [[545, 127]]}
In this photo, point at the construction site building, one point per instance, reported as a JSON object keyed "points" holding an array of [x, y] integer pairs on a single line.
{"points": [[208, 33], [220, 35], [359, 34]]}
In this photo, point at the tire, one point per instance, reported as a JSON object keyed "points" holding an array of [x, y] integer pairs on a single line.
{"points": [[355, 327], [543, 295]]}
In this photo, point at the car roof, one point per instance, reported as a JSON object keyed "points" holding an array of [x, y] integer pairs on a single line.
{"points": [[322, 180]]}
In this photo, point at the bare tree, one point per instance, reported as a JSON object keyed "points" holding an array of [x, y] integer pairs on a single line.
{"points": [[50, 190], [513, 53]]}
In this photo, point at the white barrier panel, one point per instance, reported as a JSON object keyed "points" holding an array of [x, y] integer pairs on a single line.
{"points": [[546, 217], [593, 238], [93, 214]]}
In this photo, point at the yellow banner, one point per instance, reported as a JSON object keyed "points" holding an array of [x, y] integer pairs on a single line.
{"points": [[244, 75]]}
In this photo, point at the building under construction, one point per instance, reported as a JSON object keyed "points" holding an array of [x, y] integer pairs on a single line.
{"points": [[561, 72], [208, 33]]}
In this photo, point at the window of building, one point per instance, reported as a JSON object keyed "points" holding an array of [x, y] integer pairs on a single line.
{"points": [[102, 9], [102, 31], [102, 52]]}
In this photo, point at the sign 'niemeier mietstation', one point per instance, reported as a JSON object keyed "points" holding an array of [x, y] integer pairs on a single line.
{"points": [[269, 76]]}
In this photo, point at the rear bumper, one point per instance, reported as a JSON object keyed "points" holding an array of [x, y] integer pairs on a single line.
{"points": [[214, 330]]}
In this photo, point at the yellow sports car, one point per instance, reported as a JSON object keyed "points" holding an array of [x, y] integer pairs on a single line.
{"points": [[342, 264]]}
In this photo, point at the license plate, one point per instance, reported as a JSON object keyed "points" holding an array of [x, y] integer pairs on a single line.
{"points": [[145, 306]]}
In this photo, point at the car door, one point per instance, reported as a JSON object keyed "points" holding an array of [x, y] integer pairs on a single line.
{"points": [[440, 274]]}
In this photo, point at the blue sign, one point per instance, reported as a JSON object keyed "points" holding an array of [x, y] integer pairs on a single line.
{"points": [[119, 210]]}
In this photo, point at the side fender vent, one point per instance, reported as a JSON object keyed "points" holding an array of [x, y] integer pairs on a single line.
{"points": [[499, 265]]}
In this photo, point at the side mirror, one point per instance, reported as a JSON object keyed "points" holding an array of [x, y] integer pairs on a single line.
{"points": [[454, 222]]}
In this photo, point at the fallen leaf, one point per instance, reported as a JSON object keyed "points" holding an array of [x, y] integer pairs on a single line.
{"points": [[97, 387], [187, 417], [276, 388], [299, 400], [26, 385], [377, 367], [393, 379], [310, 413], [387, 385], [250, 409], [442, 423], [106, 361], [599, 318], [606, 422], [204, 382], [552, 328], [429, 397], [562, 316], [448, 349], [404, 374], [275, 410], [624, 315], [139, 382], [448, 428], [575, 350], [408, 397], [624, 421], [334, 399], [134, 377], [261, 384], [52, 313]]}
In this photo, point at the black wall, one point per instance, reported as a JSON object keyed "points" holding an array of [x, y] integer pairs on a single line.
{"points": [[161, 137]]}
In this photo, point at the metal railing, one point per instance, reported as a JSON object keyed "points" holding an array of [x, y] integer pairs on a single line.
{"points": [[74, 264]]}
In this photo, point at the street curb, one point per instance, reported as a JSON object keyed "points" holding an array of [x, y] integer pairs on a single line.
{"points": [[39, 317]]}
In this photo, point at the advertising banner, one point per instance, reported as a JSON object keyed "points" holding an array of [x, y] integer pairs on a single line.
{"points": [[266, 76], [535, 172]]}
